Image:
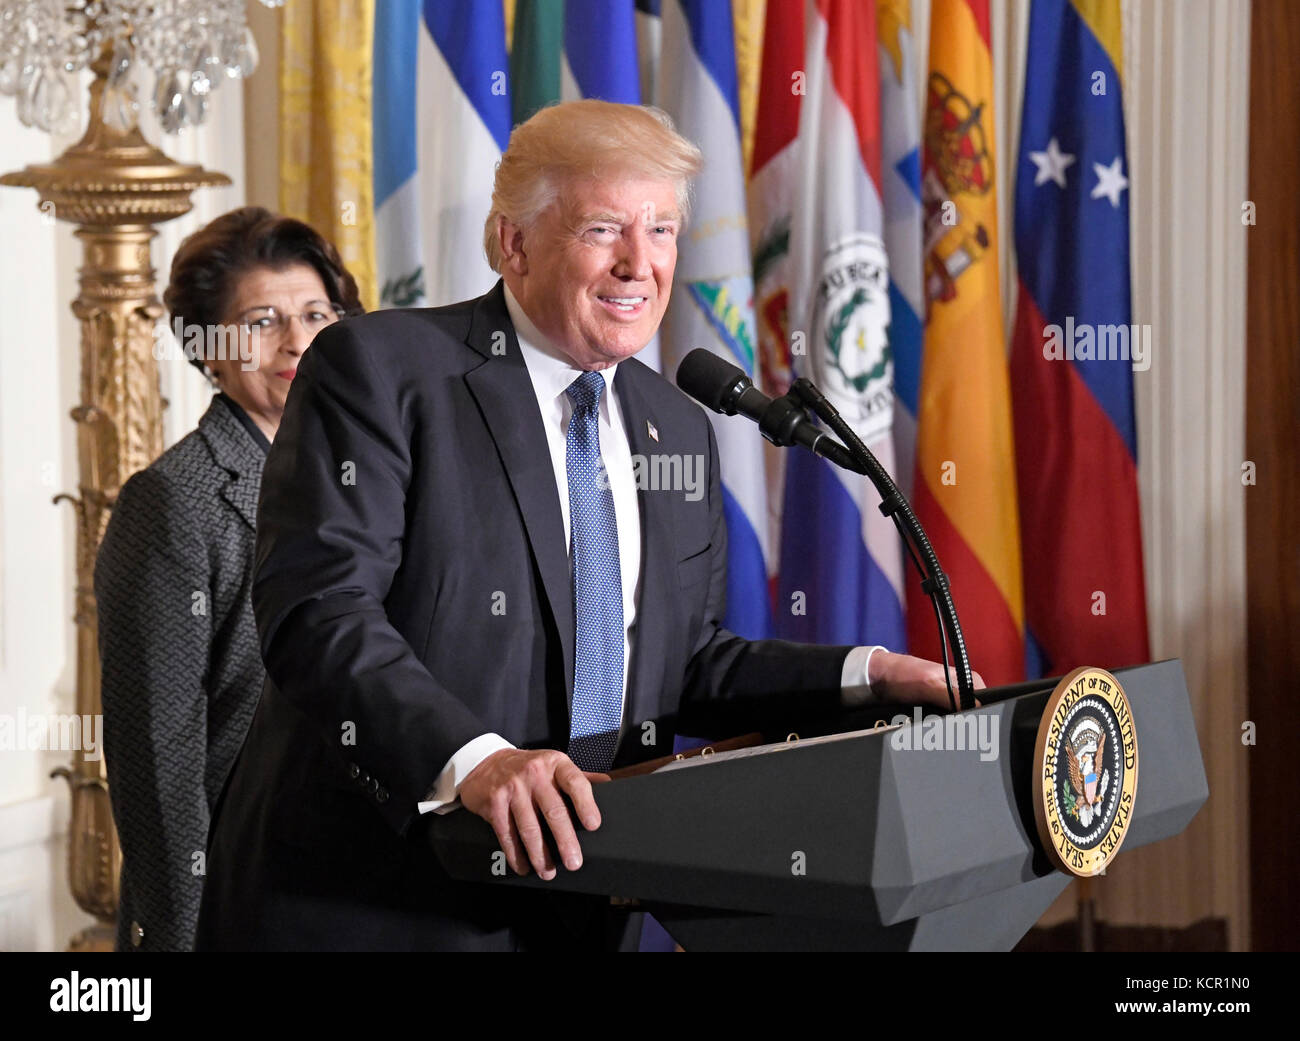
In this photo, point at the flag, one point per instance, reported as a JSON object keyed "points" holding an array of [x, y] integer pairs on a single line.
{"points": [[712, 299], [649, 39], [463, 125], [564, 50], [773, 168], [1072, 358], [399, 262], [536, 54], [600, 51], [965, 484], [841, 560], [900, 173]]}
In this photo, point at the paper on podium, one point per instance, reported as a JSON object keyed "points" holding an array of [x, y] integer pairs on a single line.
{"points": [[770, 749]]}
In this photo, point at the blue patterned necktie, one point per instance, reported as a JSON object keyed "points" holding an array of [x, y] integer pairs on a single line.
{"points": [[597, 586]]}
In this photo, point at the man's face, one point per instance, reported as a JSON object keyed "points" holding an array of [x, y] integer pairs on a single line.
{"points": [[595, 271]]}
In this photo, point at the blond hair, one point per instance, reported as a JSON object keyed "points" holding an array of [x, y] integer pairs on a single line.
{"points": [[586, 138]]}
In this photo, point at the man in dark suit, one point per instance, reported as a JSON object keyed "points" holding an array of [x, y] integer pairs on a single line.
{"points": [[466, 603]]}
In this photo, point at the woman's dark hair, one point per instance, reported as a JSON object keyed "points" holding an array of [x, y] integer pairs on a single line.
{"points": [[211, 261]]}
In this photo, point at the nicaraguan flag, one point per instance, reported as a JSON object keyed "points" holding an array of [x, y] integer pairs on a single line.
{"points": [[712, 300], [841, 560]]}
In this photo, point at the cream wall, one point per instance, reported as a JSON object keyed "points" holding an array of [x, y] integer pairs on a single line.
{"points": [[37, 387], [1186, 99]]}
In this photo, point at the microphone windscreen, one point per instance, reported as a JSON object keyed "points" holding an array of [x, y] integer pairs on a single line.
{"points": [[709, 379]]}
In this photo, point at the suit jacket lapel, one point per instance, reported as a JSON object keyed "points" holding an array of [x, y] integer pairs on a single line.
{"points": [[505, 396], [235, 452], [658, 574]]}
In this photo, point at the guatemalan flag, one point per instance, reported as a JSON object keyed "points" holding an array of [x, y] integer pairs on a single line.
{"points": [[1076, 440], [398, 248], [442, 120], [712, 299], [841, 560]]}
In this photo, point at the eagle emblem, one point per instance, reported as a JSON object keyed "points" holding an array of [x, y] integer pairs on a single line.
{"points": [[1089, 779]]}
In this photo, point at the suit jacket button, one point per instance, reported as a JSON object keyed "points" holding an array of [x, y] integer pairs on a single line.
{"points": [[373, 785], [382, 795], [137, 934], [353, 770]]}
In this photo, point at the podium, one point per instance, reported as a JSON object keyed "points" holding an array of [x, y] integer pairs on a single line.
{"points": [[856, 842]]}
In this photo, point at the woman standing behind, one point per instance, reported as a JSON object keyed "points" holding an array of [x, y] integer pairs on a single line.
{"points": [[182, 667]]}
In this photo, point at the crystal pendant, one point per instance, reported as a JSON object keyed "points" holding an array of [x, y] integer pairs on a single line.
{"points": [[11, 74], [169, 100], [199, 82], [119, 65], [48, 106], [26, 96], [196, 105], [210, 63], [119, 108], [75, 52], [241, 59]]}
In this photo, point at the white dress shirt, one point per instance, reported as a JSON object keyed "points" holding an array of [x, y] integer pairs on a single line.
{"points": [[551, 373]]}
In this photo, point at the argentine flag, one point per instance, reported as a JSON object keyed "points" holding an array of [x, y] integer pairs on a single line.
{"points": [[713, 290]]}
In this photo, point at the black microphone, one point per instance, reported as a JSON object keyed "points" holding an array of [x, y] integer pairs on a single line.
{"points": [[718, 385]]}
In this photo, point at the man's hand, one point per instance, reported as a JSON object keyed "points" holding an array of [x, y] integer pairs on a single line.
{"points": [[901, 677], [508, 789]]}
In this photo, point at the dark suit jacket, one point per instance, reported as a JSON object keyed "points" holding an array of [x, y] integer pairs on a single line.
{"points": [[410, 492], [182, 668]]}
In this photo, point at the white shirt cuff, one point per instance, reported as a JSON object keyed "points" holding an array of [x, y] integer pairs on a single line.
{"points": [[855, 682], [445, 794]]}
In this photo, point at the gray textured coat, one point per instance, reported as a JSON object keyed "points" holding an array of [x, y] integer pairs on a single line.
{"points": [[182, 670]]}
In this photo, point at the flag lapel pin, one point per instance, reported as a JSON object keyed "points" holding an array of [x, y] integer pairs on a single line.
{"points": [[652, 430]]}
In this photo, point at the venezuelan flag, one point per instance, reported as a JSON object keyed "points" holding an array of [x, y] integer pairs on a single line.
{"points": [[965, 486], [1074, 350]]}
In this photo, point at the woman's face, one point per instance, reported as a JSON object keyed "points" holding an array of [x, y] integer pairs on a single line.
{"points": [[282, 311]]}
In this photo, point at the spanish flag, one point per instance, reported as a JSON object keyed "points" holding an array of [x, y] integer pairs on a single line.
{"points": [[965, 486]]}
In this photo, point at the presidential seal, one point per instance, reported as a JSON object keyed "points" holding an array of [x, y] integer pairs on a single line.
{"points": [[851, 356], [1085, 771]]}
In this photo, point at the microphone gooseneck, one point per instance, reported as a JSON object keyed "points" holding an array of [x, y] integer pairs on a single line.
{"points": [[723, 387]]}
